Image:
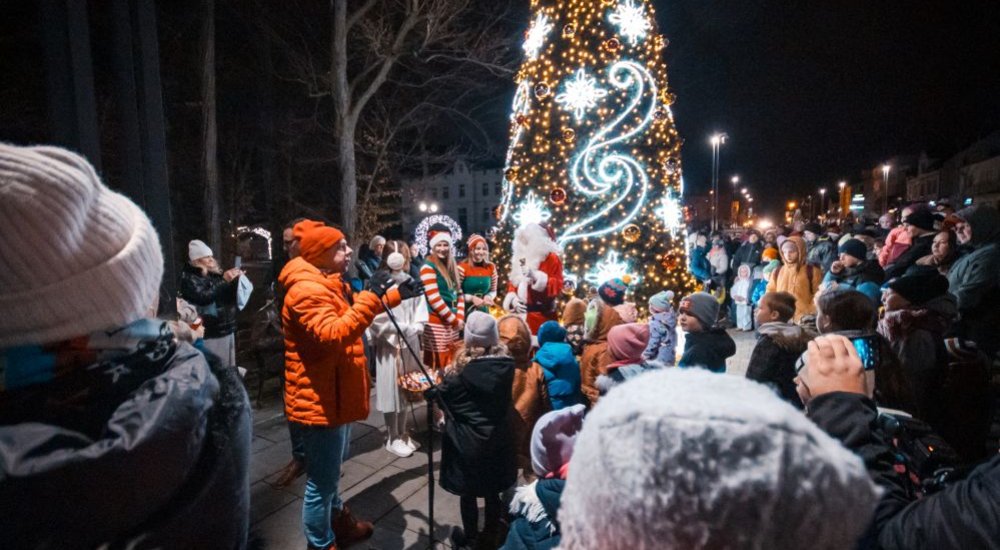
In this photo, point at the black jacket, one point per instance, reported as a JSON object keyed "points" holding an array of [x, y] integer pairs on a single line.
{"points": [[822, 253], [214, 298], [773, 359], [477, 457], [747, 253], [152, 453], [962, 516], [867, 271], [920, 247], [708, 349], [543, 533]]}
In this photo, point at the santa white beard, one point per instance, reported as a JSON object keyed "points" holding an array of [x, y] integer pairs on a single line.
{"points": [[531, 244]]}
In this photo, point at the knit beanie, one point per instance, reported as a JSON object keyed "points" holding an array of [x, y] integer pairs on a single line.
{"points": [[77, 257], [920, 287], [814, 228], [481, 330], [552, 440], [703, 307], [660, 302], [922, 218], [198, 250], [628, 312], [683, 458], [315, 239], [550, 331], [854, 248], [574, 311], [474, 240], [613, 291], [627, 342], [770, 253]]}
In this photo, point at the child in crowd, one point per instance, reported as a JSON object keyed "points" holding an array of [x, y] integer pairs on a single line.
{"points": [[779, 346], [573, 319], [741, 297], [477, 450], [626, 344], [559, 367], [601, 317], [797, 277], [854, 270], [706, 345], [535, 507], [662, 329], [528, 386]]}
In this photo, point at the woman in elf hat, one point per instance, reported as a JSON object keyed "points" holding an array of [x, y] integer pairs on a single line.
{"points": [[477, 276], [447, 310]]}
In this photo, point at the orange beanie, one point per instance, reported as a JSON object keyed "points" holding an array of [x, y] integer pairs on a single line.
{"points": [[769, 254], [315, 239]]}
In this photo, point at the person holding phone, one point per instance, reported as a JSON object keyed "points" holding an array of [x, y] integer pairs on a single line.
{"points": [[213, 293]]}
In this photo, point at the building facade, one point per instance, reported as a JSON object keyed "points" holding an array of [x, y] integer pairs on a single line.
{"points": [[467, 195]]}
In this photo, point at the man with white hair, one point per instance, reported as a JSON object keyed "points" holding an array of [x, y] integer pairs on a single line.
{"points": [[213, 292], [536, 275]]}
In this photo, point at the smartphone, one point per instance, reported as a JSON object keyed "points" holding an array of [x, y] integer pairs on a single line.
{"points": [[867, 348], [238, 262]]}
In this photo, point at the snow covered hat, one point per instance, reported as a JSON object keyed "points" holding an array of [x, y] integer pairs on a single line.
{"points": [[683, 458]]}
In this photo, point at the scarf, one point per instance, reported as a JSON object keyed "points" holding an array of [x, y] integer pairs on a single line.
{"points": [[898, 324]]}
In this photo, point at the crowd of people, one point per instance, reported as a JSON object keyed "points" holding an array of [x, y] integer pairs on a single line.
{"points": [[575, 421]]}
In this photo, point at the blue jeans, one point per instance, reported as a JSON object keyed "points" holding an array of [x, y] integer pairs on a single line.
{"points": [[326, 450]]}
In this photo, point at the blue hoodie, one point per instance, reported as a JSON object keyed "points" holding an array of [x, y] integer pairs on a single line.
{"points": [[562, 374]]}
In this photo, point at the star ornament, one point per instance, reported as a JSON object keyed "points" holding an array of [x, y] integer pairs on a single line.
{"points": [[670, 213], [532, 210], [540, 28], [630, 20], [611, 267], [581, 94]]}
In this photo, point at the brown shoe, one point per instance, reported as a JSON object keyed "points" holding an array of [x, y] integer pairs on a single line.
{"points": [[292, 471], [348, 530]]}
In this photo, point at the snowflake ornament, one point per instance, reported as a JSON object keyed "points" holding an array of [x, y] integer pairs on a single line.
{"points": [[630, 20], [611, 267], [581, 94], [536, 36], [670, 213], [532, 210]]}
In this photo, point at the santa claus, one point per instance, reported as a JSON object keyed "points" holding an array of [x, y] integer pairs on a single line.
{"points": [[536, 275]]}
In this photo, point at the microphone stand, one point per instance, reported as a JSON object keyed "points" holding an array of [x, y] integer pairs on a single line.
{"points": [[430, 419]]}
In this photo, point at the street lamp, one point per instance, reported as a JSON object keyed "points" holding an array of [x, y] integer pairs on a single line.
{"points": [[822, 201], [422, 206], [885, 188], [717, 140]]}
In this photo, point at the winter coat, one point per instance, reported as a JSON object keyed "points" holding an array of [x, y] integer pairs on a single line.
{"points": [[529, 390], [748, 253], [708, 349], [822, 253], [213, 297], [867, 271], [535, 509], [619, 374], [663, 338], [477, 457], [595, 358], [573, 320], [698, 263], [148, 450], [561, 373], [718, 259], [919, 247], [326, 372], [974, 279], [391, 355], [757, 291], [963, 515], [773, 359], [798, 279], [896, 243]]}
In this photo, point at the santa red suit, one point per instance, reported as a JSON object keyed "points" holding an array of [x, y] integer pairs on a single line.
{"points": [[536, 276]]}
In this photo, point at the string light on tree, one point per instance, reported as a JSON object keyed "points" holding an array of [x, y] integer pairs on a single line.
{"points": [[536, 36], [611, 267], [631, 21], [581, 94], [671, 214]]}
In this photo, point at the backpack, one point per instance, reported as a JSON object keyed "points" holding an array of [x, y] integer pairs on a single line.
{"points": [[809, 275]]}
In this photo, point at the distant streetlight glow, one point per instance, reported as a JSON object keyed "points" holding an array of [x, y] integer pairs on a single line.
{"points": [[885, 187]]}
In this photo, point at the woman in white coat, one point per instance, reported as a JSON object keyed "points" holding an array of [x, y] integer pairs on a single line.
{"points": [[391, 356]]}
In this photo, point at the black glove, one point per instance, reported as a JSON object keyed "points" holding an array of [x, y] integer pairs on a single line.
{"points": [[411, 289], [380, 283]]}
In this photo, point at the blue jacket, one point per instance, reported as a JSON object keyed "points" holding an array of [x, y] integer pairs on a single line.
{"points": [[562, 374], [699, 265], [663, 338], [536, 524], [758, 290]]}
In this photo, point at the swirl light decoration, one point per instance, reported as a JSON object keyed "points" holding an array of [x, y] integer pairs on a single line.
{"points": [[591, 120]]}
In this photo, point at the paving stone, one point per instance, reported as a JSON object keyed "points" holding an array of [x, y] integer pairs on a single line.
{"points": [[258, 444], [391, 538], [265, 500], [281, 530], [412, 513], [384, 490], [268, 461]]}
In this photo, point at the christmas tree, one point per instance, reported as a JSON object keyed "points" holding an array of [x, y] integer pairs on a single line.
{"points": [[593, 149]]}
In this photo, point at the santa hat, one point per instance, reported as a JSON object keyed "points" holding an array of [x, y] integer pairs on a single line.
{"points": [[548, 229], [475, 239], [437, 236]]}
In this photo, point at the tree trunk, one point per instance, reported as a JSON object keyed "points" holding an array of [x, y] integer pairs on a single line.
{"points": [[344, 120], [210, 134]]}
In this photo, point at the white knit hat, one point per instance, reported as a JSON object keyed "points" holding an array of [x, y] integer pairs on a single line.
{"points": [[198, 250], [481, 330], [684, 458], [76, 256]]}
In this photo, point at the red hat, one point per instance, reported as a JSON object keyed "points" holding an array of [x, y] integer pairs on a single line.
{"points": [[315, 239], [475, 239], [435, 236]]}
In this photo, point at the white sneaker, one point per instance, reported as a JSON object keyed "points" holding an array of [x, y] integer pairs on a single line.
{"points": [[399, 448], [413, 444]]}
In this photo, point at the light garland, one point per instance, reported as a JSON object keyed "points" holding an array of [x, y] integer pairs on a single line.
{"points": [[631, 21], [581, 94], [536, 36], [611, 267], [420, 233]]}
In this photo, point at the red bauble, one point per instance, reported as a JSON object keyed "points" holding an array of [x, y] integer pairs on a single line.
{"points": [[558, 195]]}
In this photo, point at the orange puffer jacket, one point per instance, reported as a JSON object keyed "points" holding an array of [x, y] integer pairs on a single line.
{"points": [[325, 369]]}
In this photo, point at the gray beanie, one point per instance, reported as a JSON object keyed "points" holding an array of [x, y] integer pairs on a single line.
{"points": [[703, 307], [684, 458], [481, 330]]}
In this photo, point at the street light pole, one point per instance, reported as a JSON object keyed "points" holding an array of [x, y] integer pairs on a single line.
{"points": [[840, 198], [822, 202], [885, 188], [735, 180], [717, 141]]}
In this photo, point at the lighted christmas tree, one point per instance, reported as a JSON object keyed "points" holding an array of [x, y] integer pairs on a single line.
{"points": [[593, 149]]}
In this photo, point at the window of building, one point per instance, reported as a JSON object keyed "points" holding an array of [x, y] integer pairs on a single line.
{"points": [[434, 192], [486, 188], [463, 217], [486, 215], [461, 190], [445, 192], [498, 188]]}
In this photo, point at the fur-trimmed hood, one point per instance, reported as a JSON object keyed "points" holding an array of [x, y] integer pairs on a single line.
{"points": [[787, 336]]}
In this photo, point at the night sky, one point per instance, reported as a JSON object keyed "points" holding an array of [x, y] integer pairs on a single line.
{"points": [[813, 92]]}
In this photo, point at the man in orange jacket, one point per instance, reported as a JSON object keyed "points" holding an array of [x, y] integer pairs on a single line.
{"points": [[327, 379]]}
